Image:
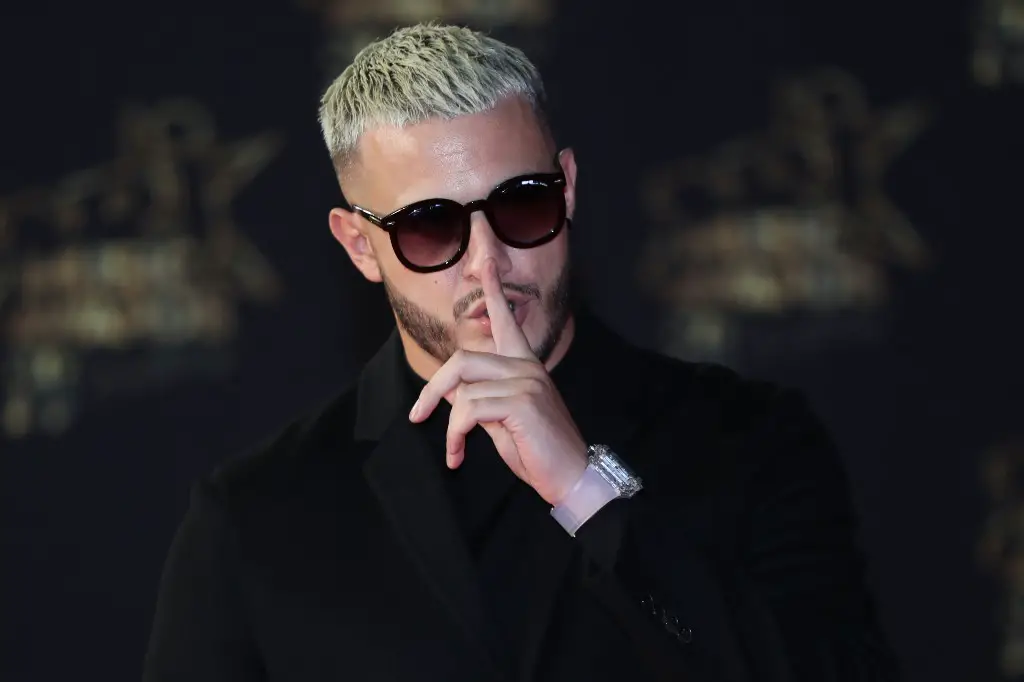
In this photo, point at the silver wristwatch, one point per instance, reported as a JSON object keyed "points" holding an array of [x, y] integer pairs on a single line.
{"points": [[606, 478], [614, 471]]}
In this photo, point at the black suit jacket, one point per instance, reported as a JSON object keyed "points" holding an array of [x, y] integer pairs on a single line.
{"points": [[334, 552]]}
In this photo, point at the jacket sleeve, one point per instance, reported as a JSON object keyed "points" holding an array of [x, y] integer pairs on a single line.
{"points": [[788, 601], [199, 631]]}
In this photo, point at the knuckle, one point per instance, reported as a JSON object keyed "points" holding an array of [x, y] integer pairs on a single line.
{"points": [[535, 385], [524, 400]]}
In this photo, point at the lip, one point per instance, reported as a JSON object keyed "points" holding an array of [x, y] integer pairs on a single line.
{"points": [[522, 310], [478, 310]]}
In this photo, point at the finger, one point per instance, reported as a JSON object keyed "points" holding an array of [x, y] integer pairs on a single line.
{"points": [[509, 338], [499, 388], [469, 393], [466, 367], [467, 415]]}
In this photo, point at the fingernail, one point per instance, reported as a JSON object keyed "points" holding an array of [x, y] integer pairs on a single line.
{"points": [[415, 411]]}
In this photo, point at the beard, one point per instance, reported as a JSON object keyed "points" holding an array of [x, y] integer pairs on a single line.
{"points": [[438, 338]]}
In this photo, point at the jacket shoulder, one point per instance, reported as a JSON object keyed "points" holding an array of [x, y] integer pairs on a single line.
{"points": [[709, 387], [716, 403], [305, 453], [743, 437]]}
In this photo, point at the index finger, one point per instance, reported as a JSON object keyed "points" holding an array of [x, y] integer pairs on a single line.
{"points": [[465, 367], [509, 338]]}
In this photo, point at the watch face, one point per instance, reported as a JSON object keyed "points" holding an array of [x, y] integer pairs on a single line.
{"points": [[615, 471]]}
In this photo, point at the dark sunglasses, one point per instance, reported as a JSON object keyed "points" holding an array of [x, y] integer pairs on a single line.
{"points": [[433, 234]]}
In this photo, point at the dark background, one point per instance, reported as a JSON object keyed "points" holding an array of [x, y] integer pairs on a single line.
{"points": [[916, 403]]}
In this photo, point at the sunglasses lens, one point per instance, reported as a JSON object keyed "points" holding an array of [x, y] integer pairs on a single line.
{"points": [[430, 234], [529, 212]]}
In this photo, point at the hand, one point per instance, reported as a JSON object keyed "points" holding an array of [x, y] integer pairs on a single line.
{"points": [[510, 394]]}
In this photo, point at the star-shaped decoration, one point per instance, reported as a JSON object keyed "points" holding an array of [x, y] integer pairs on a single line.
{"points": [[171, 176], [143, 249], [812, 185]]}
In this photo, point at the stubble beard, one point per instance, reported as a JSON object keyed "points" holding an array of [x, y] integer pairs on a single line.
{"points": [[438, 339]]}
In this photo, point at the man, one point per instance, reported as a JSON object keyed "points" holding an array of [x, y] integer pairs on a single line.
{"points": [[509, 491]]}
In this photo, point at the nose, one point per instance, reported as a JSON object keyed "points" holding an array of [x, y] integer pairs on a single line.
{"points": [[484, 244]]}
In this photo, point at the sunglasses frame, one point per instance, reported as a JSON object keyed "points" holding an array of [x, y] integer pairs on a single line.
{"points": [[391, 220]]}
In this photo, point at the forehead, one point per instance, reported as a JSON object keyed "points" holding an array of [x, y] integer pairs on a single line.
{"points": [[461, 159]]}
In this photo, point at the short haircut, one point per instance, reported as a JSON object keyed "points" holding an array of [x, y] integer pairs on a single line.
{"points": [[422, 72]]}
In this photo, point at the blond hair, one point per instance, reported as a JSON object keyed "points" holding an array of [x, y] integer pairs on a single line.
{"points": [[419, 73]]}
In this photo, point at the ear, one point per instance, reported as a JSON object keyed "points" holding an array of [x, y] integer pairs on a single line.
{"points": [[348, 230], [567, 159]]}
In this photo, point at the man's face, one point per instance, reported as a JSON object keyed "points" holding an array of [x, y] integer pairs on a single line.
{"points": [[461, 159]]}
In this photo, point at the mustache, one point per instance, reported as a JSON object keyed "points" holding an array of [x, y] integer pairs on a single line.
{"points": [[464, 303]]}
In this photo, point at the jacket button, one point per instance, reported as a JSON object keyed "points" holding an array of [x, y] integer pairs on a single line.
{"points": [[651, 606], [671, 623]]}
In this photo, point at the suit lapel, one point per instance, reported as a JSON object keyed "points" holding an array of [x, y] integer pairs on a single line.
{"points": [[411, 492], [553, 549], [599, 387]]}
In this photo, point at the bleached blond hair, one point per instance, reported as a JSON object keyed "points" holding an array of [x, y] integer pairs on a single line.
{"points": [[423, 72]]}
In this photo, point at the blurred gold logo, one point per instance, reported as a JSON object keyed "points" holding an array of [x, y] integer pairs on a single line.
{"points": [[127, 264], [794, 220]]}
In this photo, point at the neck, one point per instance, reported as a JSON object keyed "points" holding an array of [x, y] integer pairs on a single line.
{"points": [[425, 364]]}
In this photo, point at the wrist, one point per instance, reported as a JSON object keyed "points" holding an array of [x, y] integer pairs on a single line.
{"points": [[586, 498], [605, 478], [570, 481]]}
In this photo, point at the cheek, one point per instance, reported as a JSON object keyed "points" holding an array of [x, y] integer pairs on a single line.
{"points": [[558, 248], [433, 293], [547, 264]]}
